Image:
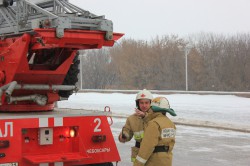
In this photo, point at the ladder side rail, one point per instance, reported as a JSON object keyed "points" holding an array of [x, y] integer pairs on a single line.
{"points": [[23, 10], [93, 24], [26, 16], [63, 4], [87, 26], [76, 23], [79, 24], [5, 28]]}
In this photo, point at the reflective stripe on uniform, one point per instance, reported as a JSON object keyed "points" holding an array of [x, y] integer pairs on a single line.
{"points": [[142, 160], [168, 133], [138, 135]]}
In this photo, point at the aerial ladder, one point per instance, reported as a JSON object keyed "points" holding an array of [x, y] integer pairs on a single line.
{"points": [[39, 65]]}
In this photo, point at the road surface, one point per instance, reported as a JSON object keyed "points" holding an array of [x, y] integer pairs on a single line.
{"points": [[198, 146]]}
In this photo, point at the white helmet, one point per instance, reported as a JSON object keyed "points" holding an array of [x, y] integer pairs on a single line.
{"points": [[144, 94], [161, 104]]}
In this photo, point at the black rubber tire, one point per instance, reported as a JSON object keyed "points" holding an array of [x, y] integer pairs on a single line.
{"points": [[11, 2], [5, 3], [71, 77]]}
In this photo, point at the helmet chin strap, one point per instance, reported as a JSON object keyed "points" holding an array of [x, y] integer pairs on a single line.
{"points": [[137, 105]]}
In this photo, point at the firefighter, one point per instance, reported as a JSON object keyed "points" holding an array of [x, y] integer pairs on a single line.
{"points": [[134, 126], [159, 138]]}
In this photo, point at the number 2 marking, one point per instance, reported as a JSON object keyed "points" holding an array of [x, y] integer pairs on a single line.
{"points": [[97, 129]]}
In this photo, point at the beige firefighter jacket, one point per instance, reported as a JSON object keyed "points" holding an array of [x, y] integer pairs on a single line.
{"points": [[134, 127], [160, 131]]}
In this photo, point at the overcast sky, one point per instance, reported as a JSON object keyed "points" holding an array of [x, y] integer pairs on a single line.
{"points": [[144, 19]]}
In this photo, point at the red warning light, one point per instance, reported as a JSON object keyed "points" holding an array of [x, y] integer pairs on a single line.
{"points": [[66, 133], [70, 132]]}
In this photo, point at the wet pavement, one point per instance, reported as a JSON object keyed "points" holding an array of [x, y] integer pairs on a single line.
{"points": [[198, 147]]}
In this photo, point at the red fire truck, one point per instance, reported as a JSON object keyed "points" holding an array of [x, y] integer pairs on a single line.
{"points": [[39, 43]]}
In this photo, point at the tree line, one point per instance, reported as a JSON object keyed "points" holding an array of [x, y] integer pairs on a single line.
{"points": [[214, 62]]}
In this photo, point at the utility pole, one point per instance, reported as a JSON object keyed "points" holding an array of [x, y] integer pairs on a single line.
{"points": [[186, 62], [186, 50]]}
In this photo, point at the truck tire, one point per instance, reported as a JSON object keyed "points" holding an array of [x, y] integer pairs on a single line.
{"points": [[71, 77]]}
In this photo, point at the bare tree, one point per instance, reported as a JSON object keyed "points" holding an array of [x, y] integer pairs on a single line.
{"points": [[216, 62]]}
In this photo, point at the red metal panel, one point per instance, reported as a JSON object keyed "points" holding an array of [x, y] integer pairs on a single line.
{"points": [[65, 157], [14, 57], [78, 39], [52, 58], [24, 148], [26, 106]]}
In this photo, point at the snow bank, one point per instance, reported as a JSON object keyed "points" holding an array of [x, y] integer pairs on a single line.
{"points": [[223, 110]]}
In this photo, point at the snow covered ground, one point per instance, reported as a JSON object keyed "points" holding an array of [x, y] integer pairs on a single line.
{"points": [[194, 146], [221, 109]]}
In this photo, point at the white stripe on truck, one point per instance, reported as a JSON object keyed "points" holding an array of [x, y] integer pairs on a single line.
{"points": [[44, 164], [59, 164], [58, 121], [43, 122]]}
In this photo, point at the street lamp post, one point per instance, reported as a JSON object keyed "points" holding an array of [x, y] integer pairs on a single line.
{"points": [[186, 64], [186, 50]]}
